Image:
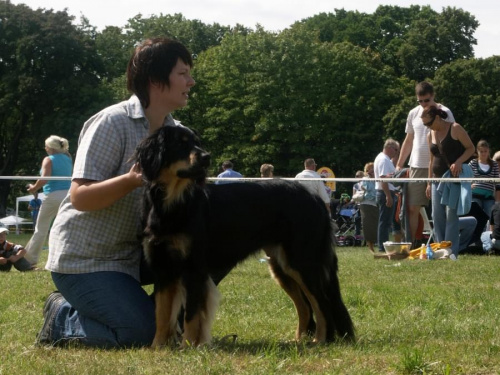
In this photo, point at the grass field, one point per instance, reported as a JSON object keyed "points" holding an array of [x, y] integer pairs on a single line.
{"points": [[411, 317]]}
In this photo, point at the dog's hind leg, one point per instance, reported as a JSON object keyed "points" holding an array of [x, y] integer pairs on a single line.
{"points": [[341, 324], [200, 315], [306, 323], [300, 289], [323, 291], [169, 300]]}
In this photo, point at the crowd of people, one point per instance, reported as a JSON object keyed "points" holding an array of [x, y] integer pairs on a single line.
{"points": [[94, 247], [438, 148]]}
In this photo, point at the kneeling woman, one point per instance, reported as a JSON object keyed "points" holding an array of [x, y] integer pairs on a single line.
{"points": [[451, 148]]}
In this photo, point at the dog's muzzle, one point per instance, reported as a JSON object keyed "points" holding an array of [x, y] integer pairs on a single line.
{"points": [[200, 161]]}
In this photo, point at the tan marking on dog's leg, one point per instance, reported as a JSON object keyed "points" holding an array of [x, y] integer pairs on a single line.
{"points": [[320, 334], [293, 290], [168, 304], [198, 331], [303, 312]]}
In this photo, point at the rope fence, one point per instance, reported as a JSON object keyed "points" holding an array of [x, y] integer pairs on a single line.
{"points": [[328, 179], [248, 179]]}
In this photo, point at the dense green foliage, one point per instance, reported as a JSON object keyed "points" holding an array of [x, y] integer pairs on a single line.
{"points": [[280, 98], [414, 41], [332, 86]]}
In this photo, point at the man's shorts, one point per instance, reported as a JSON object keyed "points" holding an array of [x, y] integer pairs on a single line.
{"points": [[416, 190]]}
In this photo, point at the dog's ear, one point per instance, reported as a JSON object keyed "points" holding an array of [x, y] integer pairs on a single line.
{"points": [[149, 154]]}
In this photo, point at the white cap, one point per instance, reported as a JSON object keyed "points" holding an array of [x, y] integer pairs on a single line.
{"points": [[4, 230]]}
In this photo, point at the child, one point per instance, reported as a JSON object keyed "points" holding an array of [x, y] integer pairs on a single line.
{"points": [[491, 238], [12, 255]]}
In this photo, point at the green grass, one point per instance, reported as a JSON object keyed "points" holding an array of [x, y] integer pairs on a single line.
{"points": [[411, 317]]}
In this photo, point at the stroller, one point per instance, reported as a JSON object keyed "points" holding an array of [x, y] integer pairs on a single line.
{"points": [[346, 216]]}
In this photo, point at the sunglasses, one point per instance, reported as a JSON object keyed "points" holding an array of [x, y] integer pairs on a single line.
{"points": [[423, 100], [430, 122]]}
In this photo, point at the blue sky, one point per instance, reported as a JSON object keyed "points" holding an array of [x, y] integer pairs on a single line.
{"points": [[271, 14]]}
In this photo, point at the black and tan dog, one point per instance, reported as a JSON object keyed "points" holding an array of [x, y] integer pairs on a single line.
{"points": [[193, 230]]}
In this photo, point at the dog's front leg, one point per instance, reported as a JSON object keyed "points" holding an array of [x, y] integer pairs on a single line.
{"points": [[201, 306], [168, 299]]}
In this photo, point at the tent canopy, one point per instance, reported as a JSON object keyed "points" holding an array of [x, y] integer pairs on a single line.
{"points": [[11, 220]]}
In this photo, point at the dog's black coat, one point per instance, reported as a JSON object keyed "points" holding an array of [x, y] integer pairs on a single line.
{"points": [[193, 230]]}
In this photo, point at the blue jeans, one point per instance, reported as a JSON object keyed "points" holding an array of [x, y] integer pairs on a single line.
{"points": [[467, 226], [385, 218], [104, 309], [485, 204], [446, 224], [488, 242]]}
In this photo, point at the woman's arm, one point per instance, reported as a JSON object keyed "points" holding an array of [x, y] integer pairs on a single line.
{"points": [[459, 133], [90, 195], [431, 160], [46, 172]]}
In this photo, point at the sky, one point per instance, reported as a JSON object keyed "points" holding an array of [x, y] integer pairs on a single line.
{"points": [[273, 15]]}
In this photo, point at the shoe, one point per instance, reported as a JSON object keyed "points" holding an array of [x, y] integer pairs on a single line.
{"points": [[51, 307]]}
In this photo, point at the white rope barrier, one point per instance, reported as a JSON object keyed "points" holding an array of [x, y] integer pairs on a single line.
{"points": [[333, 179], [354, 179], [47, 178]]}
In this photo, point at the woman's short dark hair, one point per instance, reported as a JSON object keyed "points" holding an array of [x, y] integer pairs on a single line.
{"points": [[152, 62]]}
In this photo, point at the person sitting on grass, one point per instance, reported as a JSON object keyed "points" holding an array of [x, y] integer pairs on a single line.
{"points": [[491, 238], [12, 255]]}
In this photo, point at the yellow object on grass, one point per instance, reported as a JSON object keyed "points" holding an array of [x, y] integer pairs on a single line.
{"points": [[421, 251]]}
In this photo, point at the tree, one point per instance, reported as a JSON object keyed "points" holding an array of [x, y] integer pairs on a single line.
{"points": [[281, 98], [471, 89], [434, 40], [414, 41], [115, 49], [49, 75], [194, 34]]}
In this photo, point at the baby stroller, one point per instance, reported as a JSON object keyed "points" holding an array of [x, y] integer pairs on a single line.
{"points": [[346, 214]]}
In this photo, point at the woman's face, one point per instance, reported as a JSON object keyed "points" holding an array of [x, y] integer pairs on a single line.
{"points": [[176, 95], [428, 120], [483, 153]]}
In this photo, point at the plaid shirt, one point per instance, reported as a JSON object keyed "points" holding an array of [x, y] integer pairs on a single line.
{"points": [[107, 239]]}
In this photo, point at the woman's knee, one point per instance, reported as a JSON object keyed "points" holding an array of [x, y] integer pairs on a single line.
{"points": [[141, 334]]}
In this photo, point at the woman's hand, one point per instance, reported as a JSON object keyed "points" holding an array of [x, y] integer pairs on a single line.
{"points": [[46, 171], [428, 190], [456, 169], [135, 175], [31, 189]]}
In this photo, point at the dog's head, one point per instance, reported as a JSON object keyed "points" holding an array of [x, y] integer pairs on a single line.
{"points": [[172, 152]]}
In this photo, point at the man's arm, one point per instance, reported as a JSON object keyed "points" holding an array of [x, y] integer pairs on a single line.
{"points": [[405, 150], [387, 191]]}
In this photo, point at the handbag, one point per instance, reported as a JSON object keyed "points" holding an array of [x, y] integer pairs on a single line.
{"points": [[359, 196]]}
